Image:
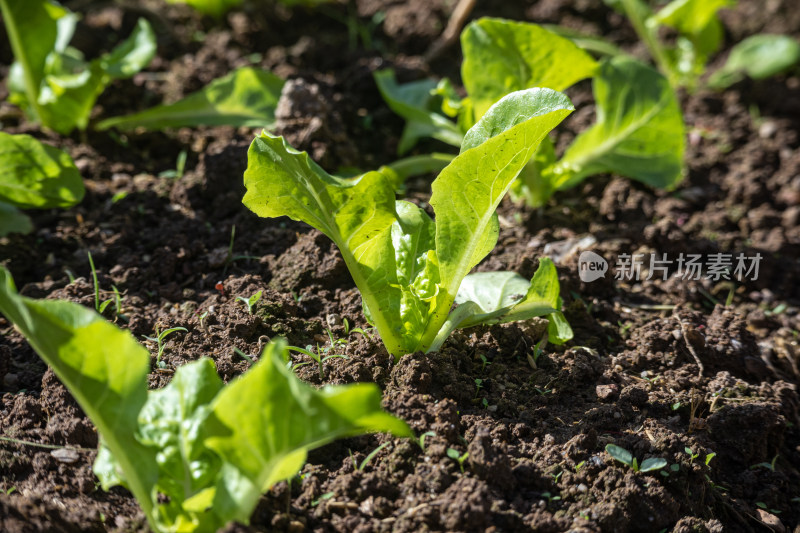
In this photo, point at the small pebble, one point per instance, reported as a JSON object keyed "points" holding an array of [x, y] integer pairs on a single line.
{"points": [[65, 455]]}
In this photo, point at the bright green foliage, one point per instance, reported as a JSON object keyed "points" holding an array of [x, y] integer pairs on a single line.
{"points": [[415, 102], [624, 456], [33, 175], [637, 135], [508, 297], [198, 442], [502, 56], [639, 131], [246, 97], [699, 34], [407, 267], [758, 57], [50, 80]]}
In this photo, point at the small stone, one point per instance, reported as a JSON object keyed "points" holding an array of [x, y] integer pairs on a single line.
{"points": [[582, 488], [767, 129], [333, 320], [771, 521], [607, 393], [65, 455]]}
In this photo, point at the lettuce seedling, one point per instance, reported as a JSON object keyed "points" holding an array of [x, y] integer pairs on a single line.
{"points": [[699, 31], [33, 175], [407, 267], [759, 56], [639, 131], [50, 80], [196, 454], [246, 97]]}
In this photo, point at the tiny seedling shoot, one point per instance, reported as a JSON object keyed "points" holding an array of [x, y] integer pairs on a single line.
{"points": [[251, 301], [625, 457], [160, 340]]}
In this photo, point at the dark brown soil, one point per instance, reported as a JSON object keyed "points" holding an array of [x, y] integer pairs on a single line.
{"points": [[535, 437]]}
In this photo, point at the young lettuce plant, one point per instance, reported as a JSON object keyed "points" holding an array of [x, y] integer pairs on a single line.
{"points": [[639, 132], [196, 454], [50, 80], [408, 268], [33, 175]]}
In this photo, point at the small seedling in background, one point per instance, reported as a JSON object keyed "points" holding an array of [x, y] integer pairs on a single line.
{"points": [[453, 454], [624, 329], [579, 466], [326, 496], [484, 362], [180, 167], [160, 339], [557, 476], [538, 350], [243, 355], [550, 498], [94, 280], [763, 505], [320, 359], [769, 466], [421, 440], [8, 492], [251, 301], [710, 456], [348, 330], [691, 454], [372, 455], [478, 386], [624, 456]]}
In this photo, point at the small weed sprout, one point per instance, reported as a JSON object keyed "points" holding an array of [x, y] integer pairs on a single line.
{"points": [[326, 496], [453, 454], [550, 498], [710, 456], [538, 350], [159, 339], [251, 301], [421, 440], [624, 456], [478, 386], [94, 280], [320, 357], [579, 466], [484, 362], [769, 466], [691, 454], [372, 455], [178, 171], [348, 330]]}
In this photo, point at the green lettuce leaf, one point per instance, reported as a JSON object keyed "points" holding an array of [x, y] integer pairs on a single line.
{"points": [[418, 103], [37, 175], [12, 220], [246, 97], [51, 81], [639, 131], [195, 454], [407, 268], [502, 56], [759, 57]]}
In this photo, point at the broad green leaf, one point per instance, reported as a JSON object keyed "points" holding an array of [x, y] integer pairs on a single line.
{"points": [[530, 186], [133, 54], [103, 367], [417, 103], [262, 446], [246, 97], [508, 297], [639, 131], [37, 175], [590, 43], [356, 214], [12, 220], [653, 463], [468, 191], [502, 56], [32, 28], [620, 454], [759, 56]]}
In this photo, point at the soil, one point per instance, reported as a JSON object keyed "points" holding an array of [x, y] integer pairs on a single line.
{"points": [[662, 368]]}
